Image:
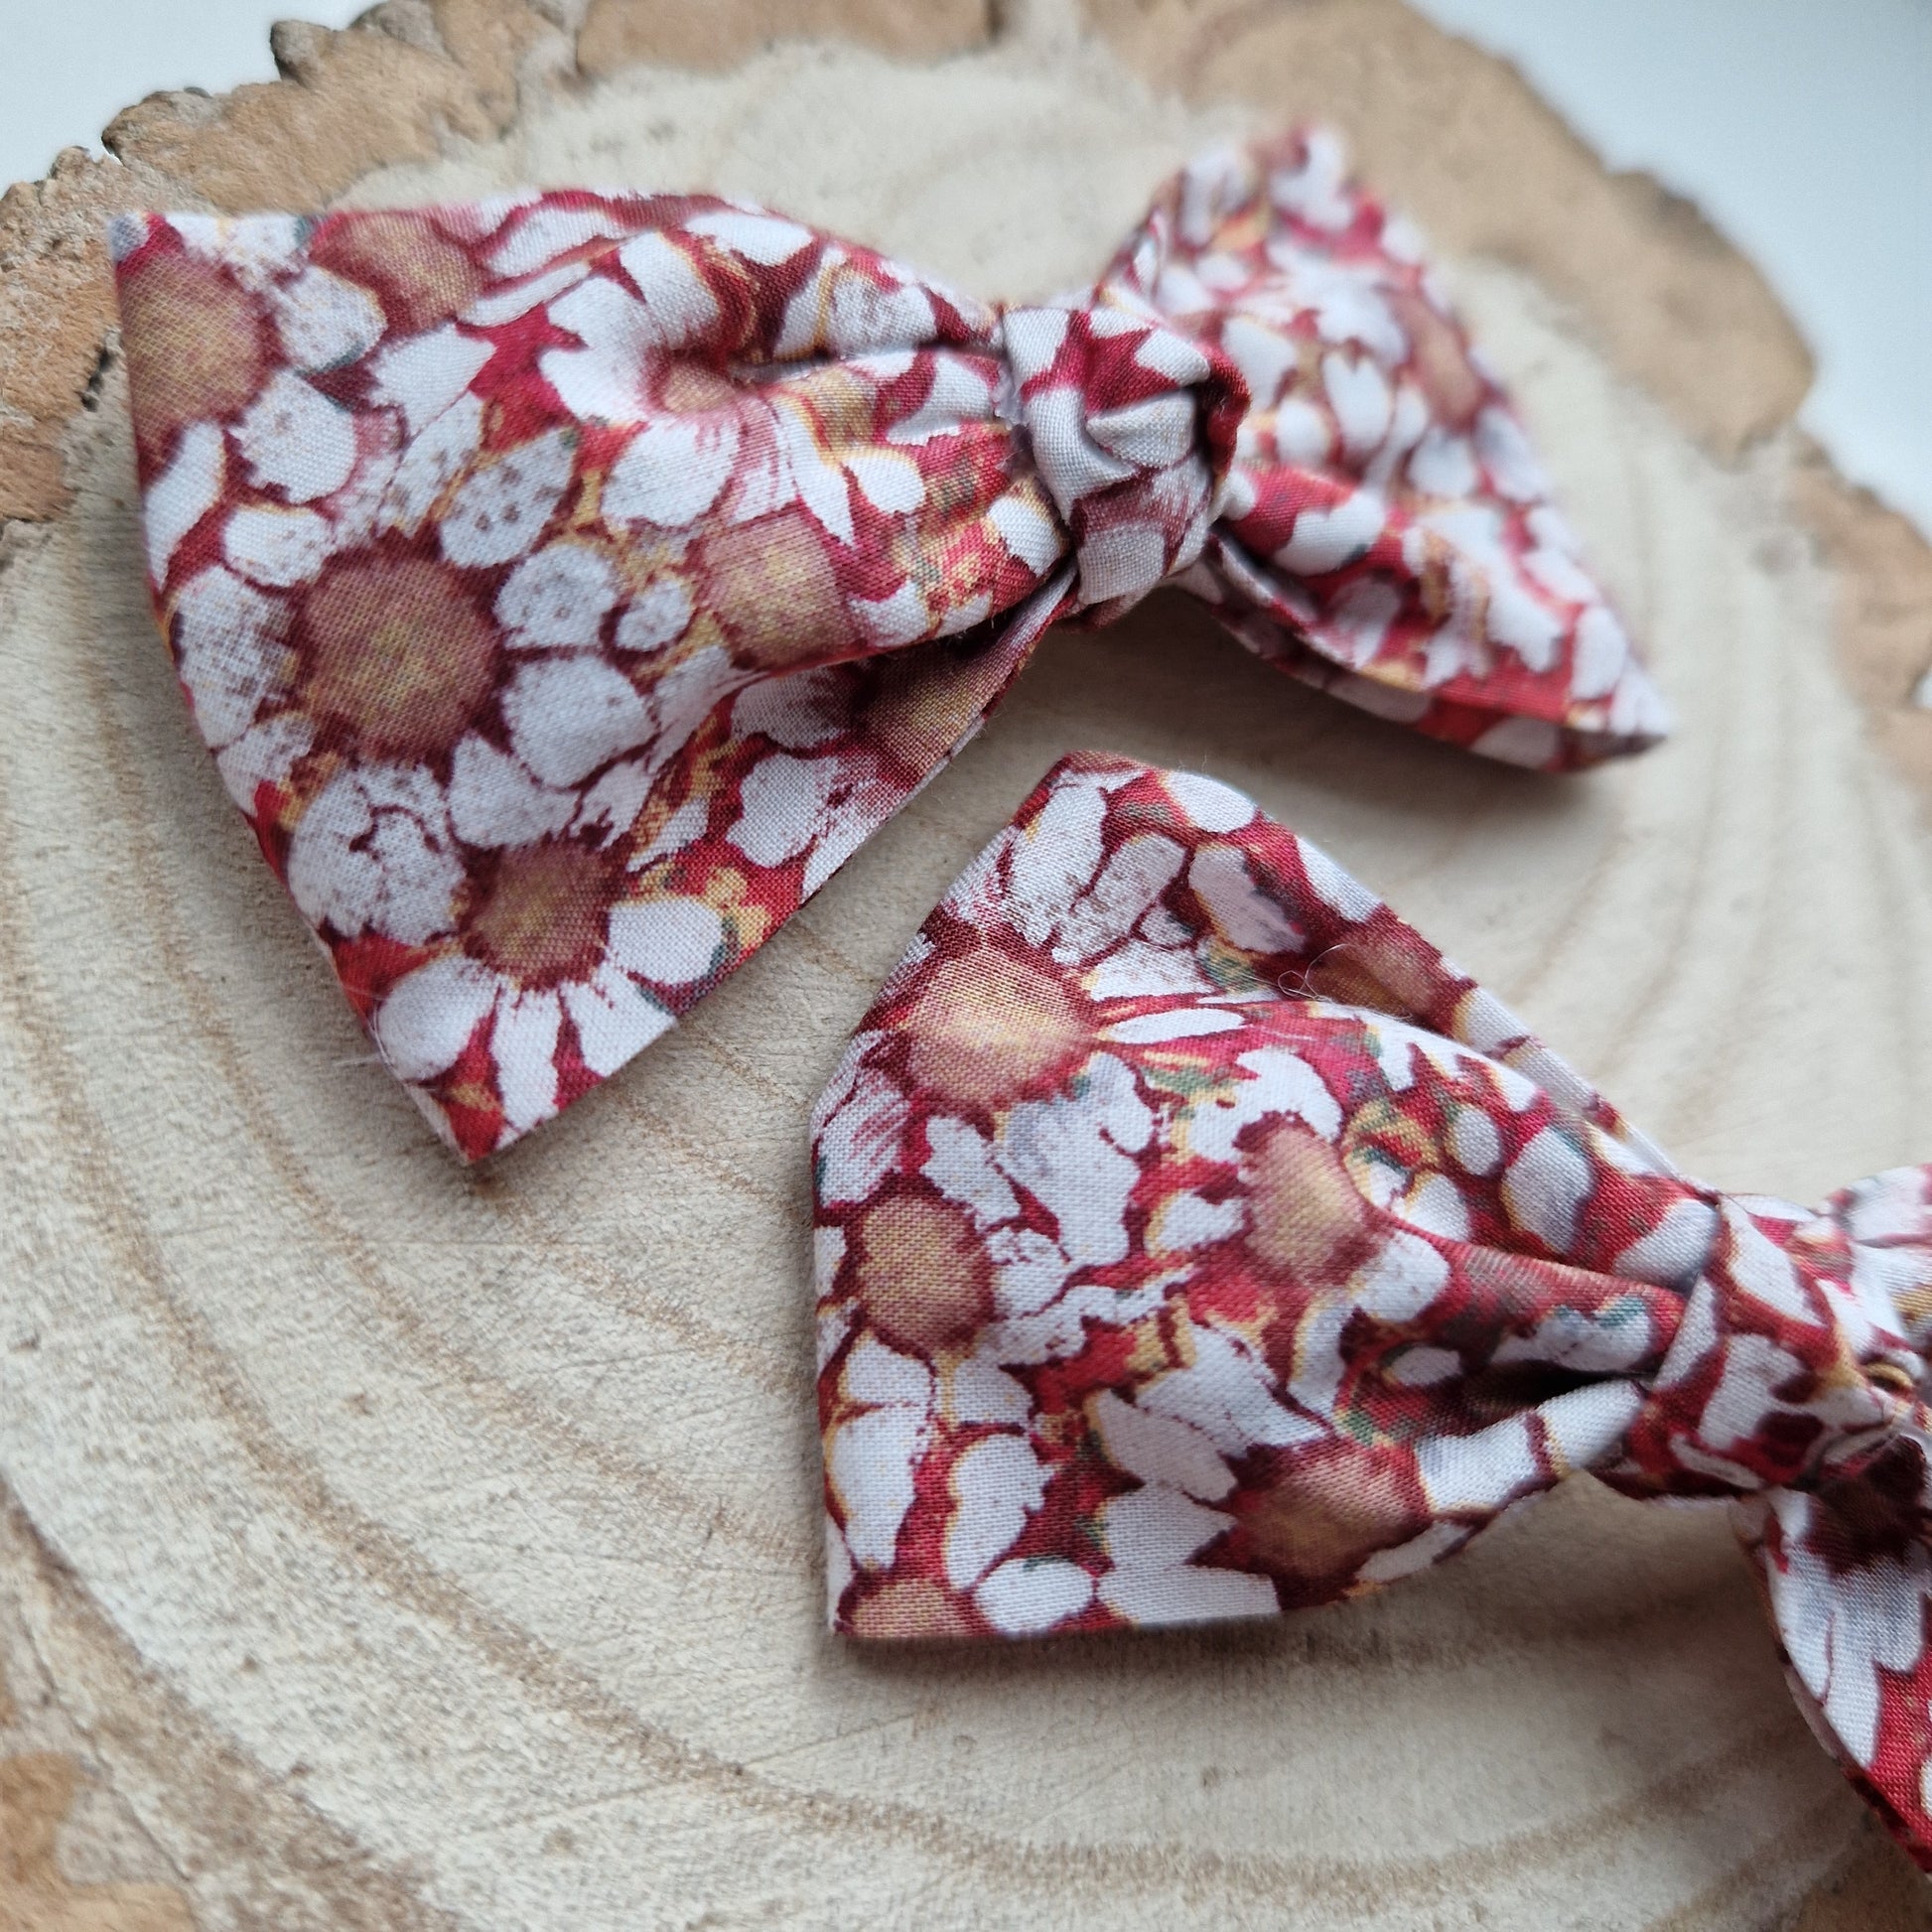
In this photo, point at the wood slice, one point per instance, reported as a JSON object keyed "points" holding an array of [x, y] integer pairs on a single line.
{"points": [[388, 1545]]}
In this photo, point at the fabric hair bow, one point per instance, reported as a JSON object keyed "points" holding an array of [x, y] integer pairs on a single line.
{"points": [[1194, 1241], [568, 583]]}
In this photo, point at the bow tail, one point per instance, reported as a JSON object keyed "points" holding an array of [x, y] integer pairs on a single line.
{"points": [[1847, 1577], [1337, 636]]}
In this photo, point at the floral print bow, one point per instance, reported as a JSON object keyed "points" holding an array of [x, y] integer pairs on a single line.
{"points": [[1194, 1241], [568, 583]]}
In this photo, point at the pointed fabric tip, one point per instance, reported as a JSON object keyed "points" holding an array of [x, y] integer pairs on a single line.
{"points": [[568, 583]]}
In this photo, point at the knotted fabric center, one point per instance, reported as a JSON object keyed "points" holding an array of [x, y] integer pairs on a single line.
{"points": [[1796, 1362], [1132, 429]]}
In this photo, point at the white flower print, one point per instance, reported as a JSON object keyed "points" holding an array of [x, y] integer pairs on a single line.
{"points": [[557, 597], [1139, 968], [565, 725], [375, 853], [431, 1014], [548, 232], [871, 1457], [1151, 1534], [277, 547], [296, 440], [1325, 539], [1188, 1219], [568, 716], [1279, 1082], [979, 1390], [263, 754], [430, 463], [257, 249], [228, 651], [495, 801], [843, 310], [767, 239], [824, 808], [1028, 1599], [659, 614], [422, 376], [1603, 653], [1159, 1448], [1208, 803], [960, 1163], [624, 334], [1359, 395], [1227, 1395], [672, 470], [1060, 893], [502, 508], [800, 712], [324, 321], [997, 1483], [676, 467], [857, 1132], [1244, 916], [1073, 1153], [1029, 1270], [1842, 1626], [182, 495], [604, 974], [1617, 1339], [1545, 1187]]}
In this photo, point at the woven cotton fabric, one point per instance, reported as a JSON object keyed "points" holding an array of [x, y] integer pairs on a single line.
{"points": [[567, 584], [1194, 1241]]}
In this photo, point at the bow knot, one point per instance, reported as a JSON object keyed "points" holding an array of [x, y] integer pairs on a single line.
{"points": [[1132, 429], [1796, 1360]]}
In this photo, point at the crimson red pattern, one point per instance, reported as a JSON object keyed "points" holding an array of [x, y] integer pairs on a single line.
{"points": [[567, 584], [1194, 1241]]}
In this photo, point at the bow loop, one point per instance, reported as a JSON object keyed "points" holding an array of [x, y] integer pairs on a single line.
{"points": [[1132, 428], [1195, 1241]]}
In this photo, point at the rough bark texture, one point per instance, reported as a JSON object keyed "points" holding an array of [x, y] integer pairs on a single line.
{"points": [[719, 32], [241, 1264]]}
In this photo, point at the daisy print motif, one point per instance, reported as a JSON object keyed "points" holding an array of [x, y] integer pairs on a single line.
{"points": [[1195, 1242], [567, 584]]}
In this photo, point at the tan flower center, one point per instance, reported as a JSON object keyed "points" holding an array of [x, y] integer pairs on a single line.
{"points": [[543, 915], [396, 652], [193, 349], [1329, 1512], [694, 389], [770, 586], [909, 1610], [988, 1027], [925, 705], [922, 1274], [1443, 366], [1306, 1218], [419, 273]]}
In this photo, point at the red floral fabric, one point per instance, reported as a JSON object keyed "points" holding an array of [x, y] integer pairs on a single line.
{"points": [[568, 583], [1194, 1241]]}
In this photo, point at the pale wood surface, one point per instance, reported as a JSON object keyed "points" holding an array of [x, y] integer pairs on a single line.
{"points": [[392, 1546]]}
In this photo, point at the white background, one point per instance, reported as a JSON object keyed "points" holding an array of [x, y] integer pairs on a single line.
{"points": [[1802, 128]]}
